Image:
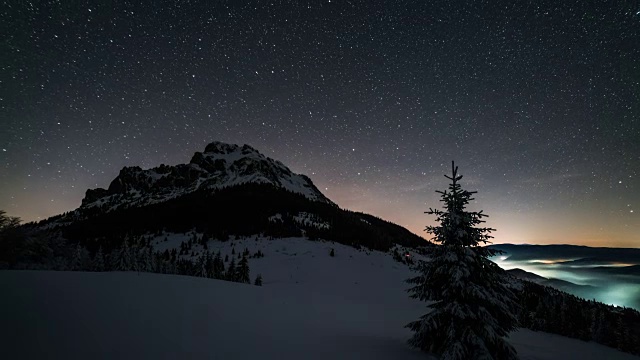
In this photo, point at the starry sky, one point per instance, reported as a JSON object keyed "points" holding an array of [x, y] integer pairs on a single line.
{"points": [[537, 101]]}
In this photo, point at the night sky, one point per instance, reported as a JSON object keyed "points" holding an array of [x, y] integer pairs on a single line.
{"points": [[538, 102]]}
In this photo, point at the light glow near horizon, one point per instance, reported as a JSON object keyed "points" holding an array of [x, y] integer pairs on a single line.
{"points": [[606, 288]]}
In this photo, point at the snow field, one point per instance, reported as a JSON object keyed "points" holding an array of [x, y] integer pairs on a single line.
{"points": [[312, 306]]}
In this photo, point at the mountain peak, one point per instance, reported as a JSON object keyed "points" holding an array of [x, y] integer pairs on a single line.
{"points": [[218, 147], [220, 165]]}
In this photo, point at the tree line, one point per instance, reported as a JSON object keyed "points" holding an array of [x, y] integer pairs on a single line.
{"points": [[50, 251], [130, 257], [543, 308]]}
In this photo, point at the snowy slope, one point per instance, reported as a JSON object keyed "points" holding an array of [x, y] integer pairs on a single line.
{"points": [[220, 165], [312, 306]]}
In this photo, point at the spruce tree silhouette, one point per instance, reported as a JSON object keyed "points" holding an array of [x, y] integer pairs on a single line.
{"points": [[472, 309]]}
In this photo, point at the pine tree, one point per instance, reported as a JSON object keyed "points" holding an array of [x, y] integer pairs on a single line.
{"points": [[158, 260], [231, 271], [472, 309], [98, 261], [258, 280], [12, 241], [122, 258], [146, 260], [218, 267], [81, 260], [136, 258], [202, 266], [209, 265], [243, 271], [597, 325]]}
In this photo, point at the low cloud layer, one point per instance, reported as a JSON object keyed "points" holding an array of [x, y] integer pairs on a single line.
{"points": [[609, 275]]}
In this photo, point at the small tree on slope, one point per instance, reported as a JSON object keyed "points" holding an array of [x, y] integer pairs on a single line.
{"points": [[243, 271], [231, 274], [123, 258], [472, 309]]}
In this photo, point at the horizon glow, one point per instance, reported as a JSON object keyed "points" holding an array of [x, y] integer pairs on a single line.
{"points": [[607, 288]]}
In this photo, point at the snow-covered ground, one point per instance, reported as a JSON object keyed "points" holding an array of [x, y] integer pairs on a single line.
{"points": [[312, 306]]}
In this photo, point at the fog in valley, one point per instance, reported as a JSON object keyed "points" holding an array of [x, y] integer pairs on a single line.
{"points": [[609, 275]]}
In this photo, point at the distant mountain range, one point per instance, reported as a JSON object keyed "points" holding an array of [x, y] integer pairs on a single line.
{"points": [[571, 254], [633, 270], [555, 283], [612, 261]]}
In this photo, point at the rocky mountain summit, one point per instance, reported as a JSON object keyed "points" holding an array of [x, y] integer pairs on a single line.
{"points": [[221, 165]]}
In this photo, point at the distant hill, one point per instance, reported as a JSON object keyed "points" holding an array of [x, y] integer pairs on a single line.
{"points": [[579, 255], [632, 270], [555, 283], [525, 275], [575, 258]]}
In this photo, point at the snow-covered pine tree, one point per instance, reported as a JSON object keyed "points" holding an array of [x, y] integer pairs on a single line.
{"points": [[146, 260], [98, 261], [170, 267], [472, 310], [209, 264], [81, 260], [218, 267], [258, 280], [158, 263], [231, 274], [202, 266], [243, 275], [122, 258], [136, 257]]}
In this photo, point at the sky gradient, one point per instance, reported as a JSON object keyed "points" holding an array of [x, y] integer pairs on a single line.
{"points": [[538, 102]]}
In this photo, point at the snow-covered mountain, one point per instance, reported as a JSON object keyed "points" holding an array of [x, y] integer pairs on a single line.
{"points": [[226, 191], [220, 165]]}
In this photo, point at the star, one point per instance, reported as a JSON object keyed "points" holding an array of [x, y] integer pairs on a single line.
{"points": [[401, 87]]}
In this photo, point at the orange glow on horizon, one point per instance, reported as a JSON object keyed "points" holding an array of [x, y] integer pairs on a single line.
{"points": [[551, 261]]}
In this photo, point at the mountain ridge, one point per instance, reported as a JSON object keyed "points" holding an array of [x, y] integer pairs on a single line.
{"points": [[220, 165], [559, 284], [225, 191]]}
